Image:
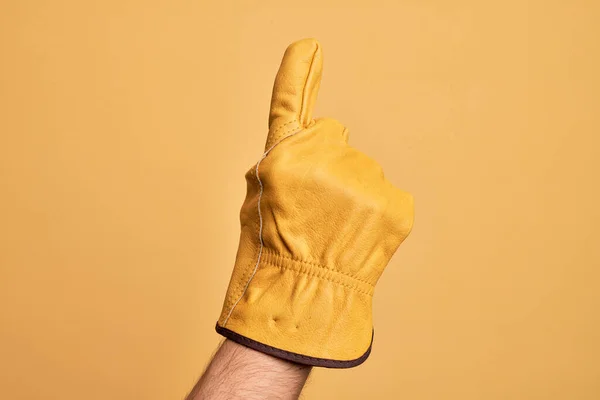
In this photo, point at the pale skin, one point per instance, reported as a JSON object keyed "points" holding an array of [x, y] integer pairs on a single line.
{"points": [[238, 372]]}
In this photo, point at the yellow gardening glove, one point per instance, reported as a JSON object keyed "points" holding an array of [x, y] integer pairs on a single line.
{"points": [[319, 224]]}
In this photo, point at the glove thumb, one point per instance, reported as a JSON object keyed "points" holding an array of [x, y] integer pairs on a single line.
{"points": [[295, 90]]}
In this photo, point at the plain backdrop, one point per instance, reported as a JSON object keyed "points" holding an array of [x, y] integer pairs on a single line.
{"points": [[125, 131]]}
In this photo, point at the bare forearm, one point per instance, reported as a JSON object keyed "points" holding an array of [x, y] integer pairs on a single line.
{"points": [[237, 372]]}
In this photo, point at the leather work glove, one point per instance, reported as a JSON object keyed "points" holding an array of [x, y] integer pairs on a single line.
{"points": [[319, 224]]}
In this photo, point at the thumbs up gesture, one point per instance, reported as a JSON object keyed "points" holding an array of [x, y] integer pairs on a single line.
{"points": [[319, 224]]}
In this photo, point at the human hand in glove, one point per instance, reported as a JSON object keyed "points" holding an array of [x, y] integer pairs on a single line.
{"points": [[319, 224]]}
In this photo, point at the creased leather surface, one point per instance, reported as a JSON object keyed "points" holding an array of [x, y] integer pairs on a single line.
{"points": [[329, 223]]}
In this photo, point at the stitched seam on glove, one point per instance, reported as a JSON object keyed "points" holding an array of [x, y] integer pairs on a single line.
{"points": [[248, 271], [342, 280], [260, 218], [273, 254], [274, 137], [283, 135]]}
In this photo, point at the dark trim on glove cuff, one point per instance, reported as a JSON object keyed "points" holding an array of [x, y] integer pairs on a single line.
{"points": [[294, 357]]}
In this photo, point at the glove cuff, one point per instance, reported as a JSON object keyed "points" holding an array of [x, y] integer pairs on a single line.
{"points": [[302, 312], [293, 357]]}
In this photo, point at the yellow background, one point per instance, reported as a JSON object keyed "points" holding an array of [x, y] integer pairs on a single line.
{"points": [[126, 128]]}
